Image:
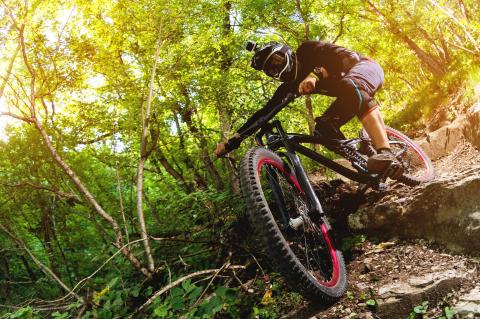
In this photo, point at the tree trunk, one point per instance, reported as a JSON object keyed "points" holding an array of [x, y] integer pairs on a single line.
{"points": [[308, 98], [144, 153], [186, 112], [199, 180], [28, 269], [434, 66], [47, 232], [224, 114], [4, 274], [160, 157]]}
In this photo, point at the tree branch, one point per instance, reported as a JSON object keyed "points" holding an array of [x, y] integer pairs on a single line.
{"points": [[47, 271], [69, 196], [340, 31], [464, 28], [18, 117], [144, 156]]}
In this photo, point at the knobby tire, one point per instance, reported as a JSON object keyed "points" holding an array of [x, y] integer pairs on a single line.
{"points": [[270, 230]]}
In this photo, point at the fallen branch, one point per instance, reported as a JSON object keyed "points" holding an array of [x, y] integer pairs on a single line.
{"points": [[212, 278], [178, 282]]}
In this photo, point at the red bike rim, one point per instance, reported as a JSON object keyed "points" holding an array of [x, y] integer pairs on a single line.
{"points": [[332, 252], [427, 173]]}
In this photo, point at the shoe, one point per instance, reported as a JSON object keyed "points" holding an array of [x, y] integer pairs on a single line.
{"points": [[384, 160]]}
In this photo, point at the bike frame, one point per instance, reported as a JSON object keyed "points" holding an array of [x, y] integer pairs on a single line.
{"points": [[292, 144]]}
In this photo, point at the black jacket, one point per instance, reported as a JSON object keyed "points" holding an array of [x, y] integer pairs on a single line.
{"points": [[311, 56]]}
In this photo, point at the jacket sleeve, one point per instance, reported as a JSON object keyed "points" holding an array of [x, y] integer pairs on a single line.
{"points": [[262, 116]]}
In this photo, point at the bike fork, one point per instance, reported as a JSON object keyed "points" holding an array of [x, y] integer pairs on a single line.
{"points": [[305, 184]]}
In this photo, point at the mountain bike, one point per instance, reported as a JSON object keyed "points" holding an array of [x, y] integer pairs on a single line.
{"points": [[285, 212]]}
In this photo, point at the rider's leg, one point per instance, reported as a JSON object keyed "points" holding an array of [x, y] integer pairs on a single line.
{"points": [[367, 77], [337, 114], [328, 125], [375, 127]]}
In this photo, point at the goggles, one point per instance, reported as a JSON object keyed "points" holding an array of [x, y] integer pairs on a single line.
{"points": [[276, 64]]}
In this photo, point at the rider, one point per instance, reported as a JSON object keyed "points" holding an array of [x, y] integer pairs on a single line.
{"points": [[328, 69]]}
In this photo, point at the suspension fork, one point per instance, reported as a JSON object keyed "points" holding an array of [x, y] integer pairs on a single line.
{"points": [[302, 177]]}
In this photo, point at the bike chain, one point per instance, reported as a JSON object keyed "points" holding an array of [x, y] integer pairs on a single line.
{"points": [[353, 156]]}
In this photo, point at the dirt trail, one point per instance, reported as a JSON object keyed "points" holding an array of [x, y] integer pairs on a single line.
{"points": [[389, 279]]}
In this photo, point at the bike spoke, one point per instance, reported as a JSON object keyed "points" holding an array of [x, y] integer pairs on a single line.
{"points": [[307, 242]]}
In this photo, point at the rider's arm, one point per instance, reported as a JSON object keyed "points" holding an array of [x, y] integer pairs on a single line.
{"points": [[261, 116]]}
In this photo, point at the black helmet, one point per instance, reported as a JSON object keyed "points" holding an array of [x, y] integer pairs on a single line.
{"points": [[275, 59]]}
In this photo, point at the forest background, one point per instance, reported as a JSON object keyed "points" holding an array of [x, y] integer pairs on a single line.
{"points": [[109, 115]]}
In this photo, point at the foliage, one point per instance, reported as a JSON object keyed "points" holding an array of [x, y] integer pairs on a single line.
{"points": [[419, 310], [183, 302], [76, 76], [352, 242]]}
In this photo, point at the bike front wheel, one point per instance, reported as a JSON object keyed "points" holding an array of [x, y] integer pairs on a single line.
{"points": [[300, 246]]}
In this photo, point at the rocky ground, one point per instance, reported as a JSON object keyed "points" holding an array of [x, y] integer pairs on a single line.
{"points": [[406, 278], [399, 279]]}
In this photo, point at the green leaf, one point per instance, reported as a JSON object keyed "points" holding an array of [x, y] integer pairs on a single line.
{"points": [[371, 302], [420, 309], [177, 303], [194, 294], [135, 292], [148, 291], [221, 291], [449, 312], [161, 311], [113, 282], [187, 286], [176, 292], [58, 315]]}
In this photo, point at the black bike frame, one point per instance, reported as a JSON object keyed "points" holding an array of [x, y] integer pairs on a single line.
{"points": [[292, 144]]}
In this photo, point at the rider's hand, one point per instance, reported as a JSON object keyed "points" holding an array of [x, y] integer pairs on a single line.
{"points": [[307, 86], [224, 147], [221, 149]]}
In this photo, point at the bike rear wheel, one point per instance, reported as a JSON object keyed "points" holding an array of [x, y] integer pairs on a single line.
{"points": [[300, 246], [418, 167]]}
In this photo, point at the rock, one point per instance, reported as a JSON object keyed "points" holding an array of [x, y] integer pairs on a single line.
{"points": [[367, 267], [446, 210], [472, 129], [469, 303], [396, 300], [442, 141], [368, 316]]}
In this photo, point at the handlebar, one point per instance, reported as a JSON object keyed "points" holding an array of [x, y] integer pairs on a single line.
{"points": [[266, 126]]}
